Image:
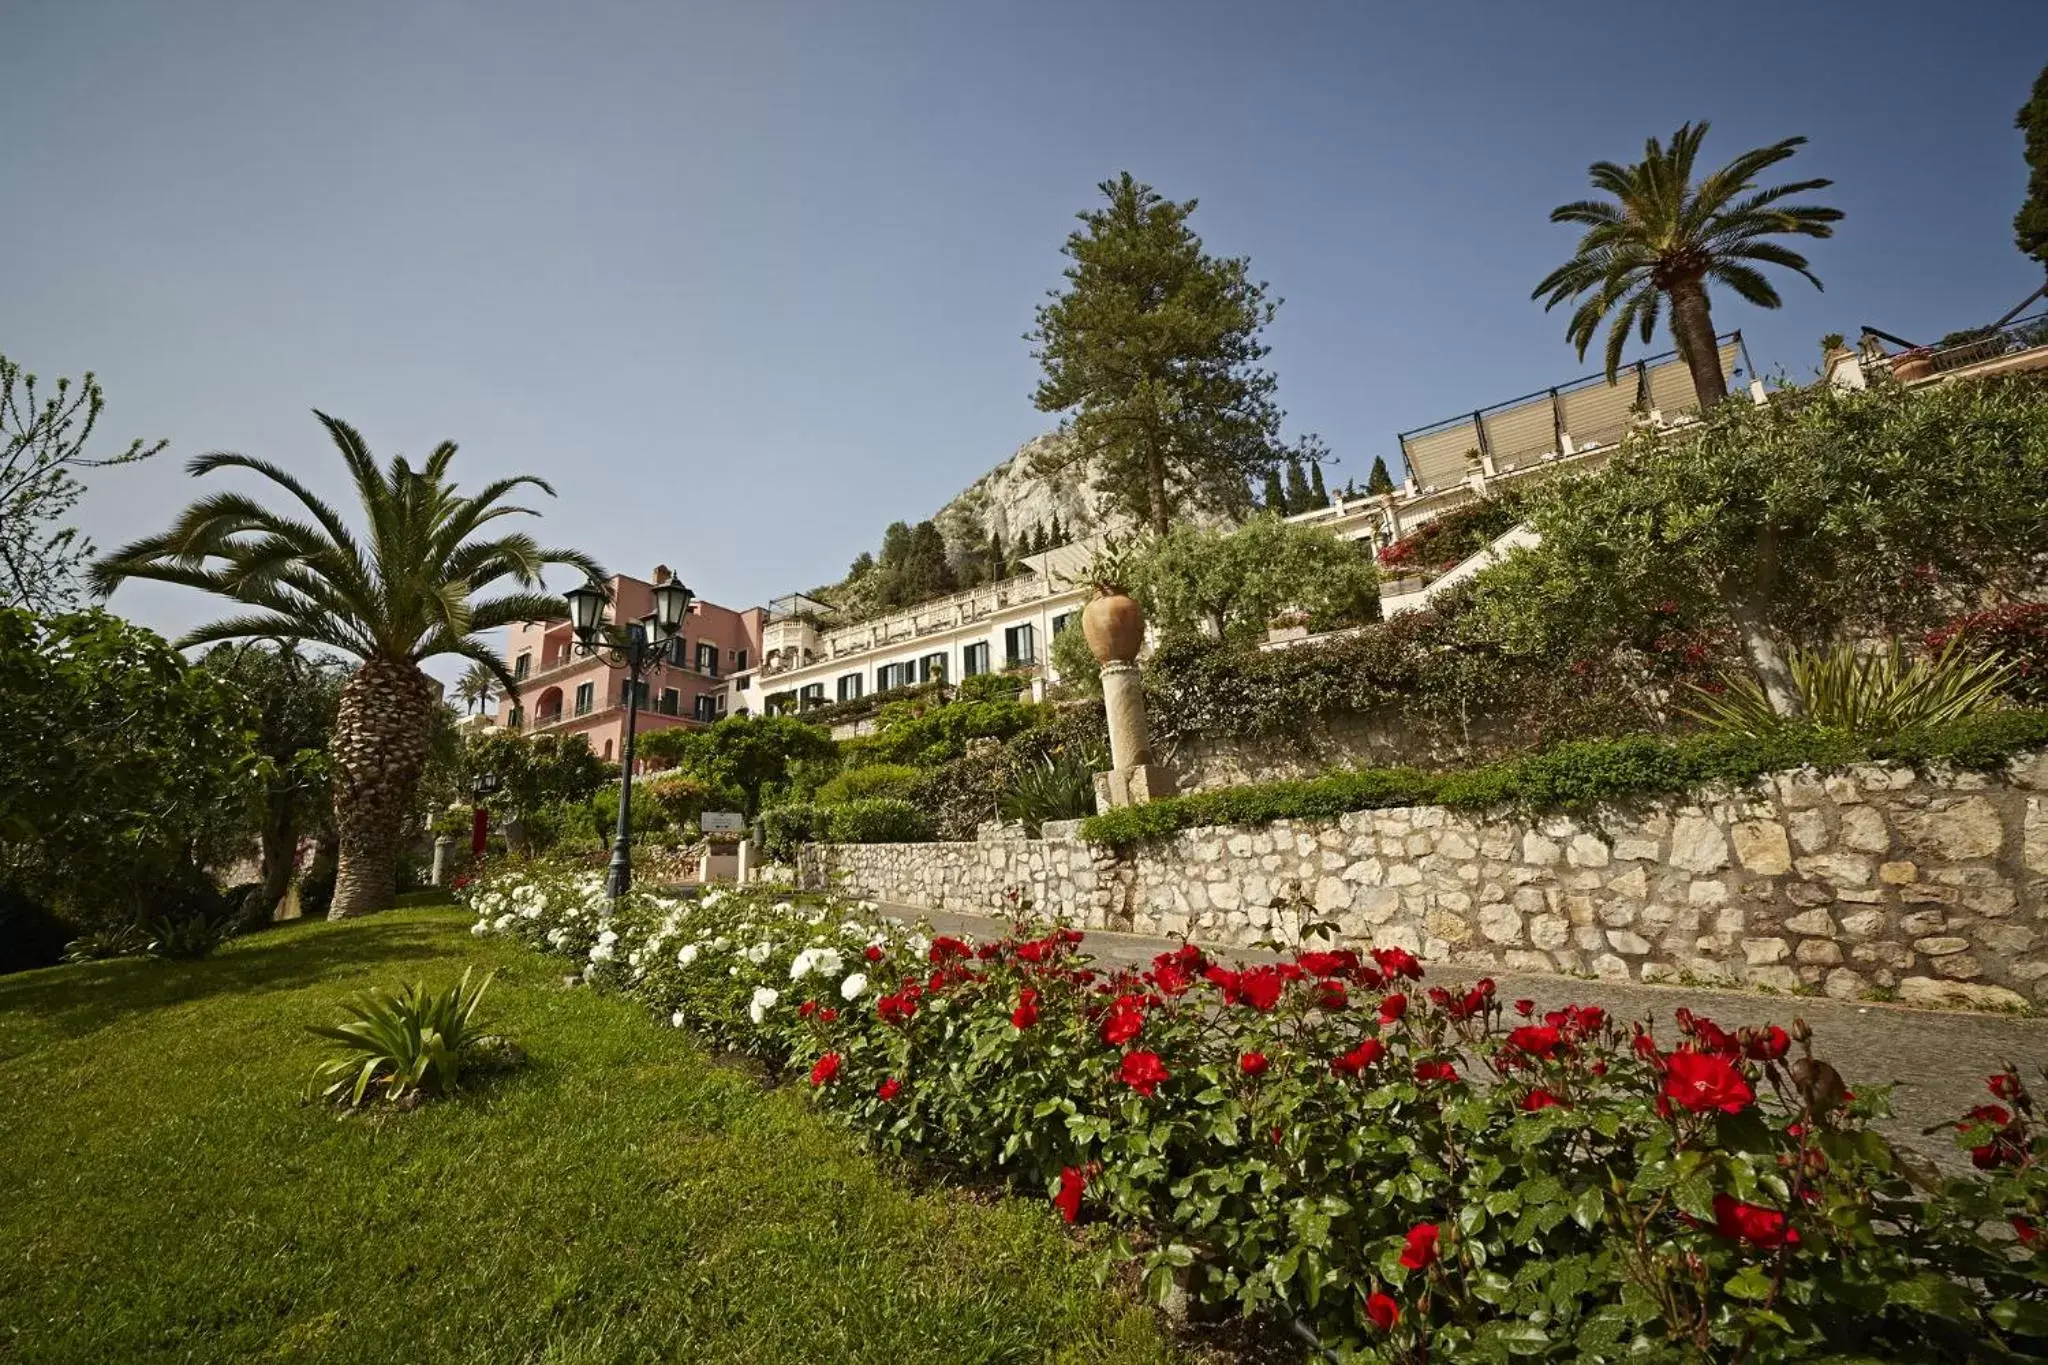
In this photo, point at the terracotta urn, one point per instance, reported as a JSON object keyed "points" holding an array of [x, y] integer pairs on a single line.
{"points": [[1114, 625], [1908, 366]]}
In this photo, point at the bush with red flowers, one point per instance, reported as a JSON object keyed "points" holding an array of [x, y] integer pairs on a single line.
{"points": [[2015, 631], [1409, 1173]]}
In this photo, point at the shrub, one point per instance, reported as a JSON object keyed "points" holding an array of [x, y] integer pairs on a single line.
{"points": [[1575, 776], [1055, 787], [680, 798], [928, 737], [2017, 631], [786, 829], [1412, 1173], [316, 887], [878, 820], [411, 1042], [961, 794], [896, 780], [31, 935]]}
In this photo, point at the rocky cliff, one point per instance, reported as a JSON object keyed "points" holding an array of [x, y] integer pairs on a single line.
{"points": [[1011, 501]]}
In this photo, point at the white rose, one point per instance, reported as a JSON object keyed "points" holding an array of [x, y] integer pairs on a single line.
{"points": [[603, 952], [480, 928], [502, 923], [764, 1000], [676, 1020], [686, 954], [759, 953], [854, 987]]}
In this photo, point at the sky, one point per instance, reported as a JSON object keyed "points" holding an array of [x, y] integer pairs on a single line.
{"points": [[747, 282]]}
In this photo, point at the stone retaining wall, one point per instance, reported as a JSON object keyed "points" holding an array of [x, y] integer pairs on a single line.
{"points": [[1931, 886]]}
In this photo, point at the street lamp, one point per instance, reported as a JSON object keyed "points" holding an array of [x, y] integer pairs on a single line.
{"points": [[643, 645]]}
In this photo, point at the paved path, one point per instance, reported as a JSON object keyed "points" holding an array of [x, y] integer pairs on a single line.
{"points": [[1937, 1059]]}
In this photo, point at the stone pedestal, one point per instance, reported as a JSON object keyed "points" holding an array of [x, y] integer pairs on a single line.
{"points": [[1132, 777], [440, 873]]}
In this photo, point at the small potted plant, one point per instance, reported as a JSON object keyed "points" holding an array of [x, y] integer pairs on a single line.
{"points": [[1112, 622], [1291, 624]]}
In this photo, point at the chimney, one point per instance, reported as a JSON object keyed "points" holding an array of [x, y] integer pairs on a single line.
{"points": [[661, 574]]}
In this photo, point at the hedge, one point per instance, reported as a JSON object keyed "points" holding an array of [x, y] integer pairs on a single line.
{"points": [[1572, 776]]}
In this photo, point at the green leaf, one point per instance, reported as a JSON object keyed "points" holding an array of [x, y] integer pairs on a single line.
{"points": [[2028, 1317], [1751, 1283]]}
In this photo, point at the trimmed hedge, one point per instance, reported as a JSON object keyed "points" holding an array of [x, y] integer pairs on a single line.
{"points": [[878, 820], [1571, 776]]}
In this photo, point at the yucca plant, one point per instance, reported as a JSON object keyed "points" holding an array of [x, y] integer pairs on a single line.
{"points": [[411, 1042], [1861, 693], [1054, 787]]}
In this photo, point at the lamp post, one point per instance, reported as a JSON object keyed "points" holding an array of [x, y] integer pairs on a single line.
{"points": [[639, 647]]}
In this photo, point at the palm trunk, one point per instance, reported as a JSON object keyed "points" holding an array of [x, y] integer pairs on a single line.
{"points": [[1692, 328], [380, 744]]}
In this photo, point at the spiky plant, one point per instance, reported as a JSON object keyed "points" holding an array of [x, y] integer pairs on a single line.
{"points": [[1861, 693], [1663, 237], [403, 591], [411, 1041]]}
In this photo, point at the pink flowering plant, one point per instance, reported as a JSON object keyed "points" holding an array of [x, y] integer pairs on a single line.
{"points": [[1404, 1171]]}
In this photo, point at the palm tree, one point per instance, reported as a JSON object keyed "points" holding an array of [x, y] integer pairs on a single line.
{"points": [[405, 593], [476, 687], [1664, 236]]}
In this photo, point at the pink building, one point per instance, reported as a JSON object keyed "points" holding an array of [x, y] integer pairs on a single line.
{"points": [[563, 692]]}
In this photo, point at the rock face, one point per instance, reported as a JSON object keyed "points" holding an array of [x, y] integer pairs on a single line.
{"points": [[1931, 887], [1011, 501]]}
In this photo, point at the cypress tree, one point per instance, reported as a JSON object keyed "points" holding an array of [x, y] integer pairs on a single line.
{"points": [[1316, 487], [1273, 499], [1299, 498], [1379, 481]]}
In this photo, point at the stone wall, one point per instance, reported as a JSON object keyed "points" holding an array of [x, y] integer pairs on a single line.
{"points": [[1933, 886]]}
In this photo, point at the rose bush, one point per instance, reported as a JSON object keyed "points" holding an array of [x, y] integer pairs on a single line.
{"points": [[1410, 1172]]}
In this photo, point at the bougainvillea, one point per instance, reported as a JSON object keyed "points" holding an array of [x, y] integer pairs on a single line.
{"points": [[1410, 1173]]}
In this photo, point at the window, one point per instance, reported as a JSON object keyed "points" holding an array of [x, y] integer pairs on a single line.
{"points": [[849, 687], [635, 690], [1060, 623], [704, 707], [892, 675], [607, 751], [931, 668], [707, 658], [974, 659], [516, 718], [812, 695], [671, 701], [523, 665], [739, 660], [1020, 646], [583, 693], [743, 682]]}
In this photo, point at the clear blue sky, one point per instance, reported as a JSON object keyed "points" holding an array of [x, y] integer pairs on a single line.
{"points": [[749, 281]]}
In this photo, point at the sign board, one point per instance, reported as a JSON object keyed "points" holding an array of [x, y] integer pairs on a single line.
{"points": [[721, 822]]}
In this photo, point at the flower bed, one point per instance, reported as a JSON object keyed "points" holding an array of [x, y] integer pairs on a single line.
{"points": [[1411, 1172]]}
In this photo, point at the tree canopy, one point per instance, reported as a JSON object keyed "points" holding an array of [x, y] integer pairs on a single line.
{"points": [[1153, 351], [747, 753], [1231, 584], [2030, 224]]}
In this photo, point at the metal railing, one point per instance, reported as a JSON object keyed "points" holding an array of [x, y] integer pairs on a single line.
{"points": [[2022, 334]]}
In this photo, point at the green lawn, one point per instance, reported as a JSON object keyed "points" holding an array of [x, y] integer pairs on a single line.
{"points": [[164, 1194]]}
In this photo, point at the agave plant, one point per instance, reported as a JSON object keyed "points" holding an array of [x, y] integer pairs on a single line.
{"points": [[1861, 693], [1055, 787], [411, 1042]]}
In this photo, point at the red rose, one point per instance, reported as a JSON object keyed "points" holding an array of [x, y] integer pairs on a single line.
{"points": [[1538, 1040], [944, 947], [1435, 1071], [1260, 987], [1761, 1227], [872, 953], [1398, 962], [1420, 1252], [1340, 963], [2005, 1085], [894, 1009], [2025, 1230], [1143, 1072], [1171, 979], [827, 1015], [1331, 996], [889, 1089], [1383, 1311], [1124, 1020], [1525, 1008], [1026, 1013], [1068, 1200], [1367, 1052], [807, 1009], [1393, 1007], [1704, 1083], [826, 1069], [1253, 1064], [1539, 1099], [1766, 1045]]}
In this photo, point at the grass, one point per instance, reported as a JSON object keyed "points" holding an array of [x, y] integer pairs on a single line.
{"points": [[622, 1196]]}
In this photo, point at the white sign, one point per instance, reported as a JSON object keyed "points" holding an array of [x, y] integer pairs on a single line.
{"points": [[721, 822]]}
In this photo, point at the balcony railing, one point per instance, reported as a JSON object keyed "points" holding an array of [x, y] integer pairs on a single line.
{"points": [[2025, 334]]}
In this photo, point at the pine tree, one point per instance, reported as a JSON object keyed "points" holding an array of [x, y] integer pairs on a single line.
{"points": [[1273, 499], [1153, 350], [1057, 536], [1316, 487], [2030, 225], [1299, 498], [1379, 481], [998, 562]]}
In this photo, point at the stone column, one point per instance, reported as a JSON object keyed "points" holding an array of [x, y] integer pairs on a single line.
{"points": [[440, 874], [1115, 633]]}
